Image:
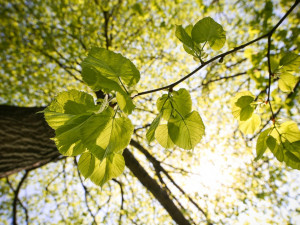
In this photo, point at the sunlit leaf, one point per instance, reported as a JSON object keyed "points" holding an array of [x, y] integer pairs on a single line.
{"points": [[164, 106], [72, 102], [68, 138], [125, 103], [241, 105], [287, 82], [162, 136], [276, 149], [101, 133], [183, 36], [261, 144], [66, 114], [186, 131], [110, 65], [290, 131], [290, 62], [208, 30], [151, 132], [86, 164], [176, 102], [251, 125], [101, 171], [181, 101]]}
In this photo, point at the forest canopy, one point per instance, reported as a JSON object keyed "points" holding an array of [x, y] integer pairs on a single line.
{"points": [[149, 112]]}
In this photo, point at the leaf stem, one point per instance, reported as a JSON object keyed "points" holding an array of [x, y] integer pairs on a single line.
{"points": [[123, 85]]}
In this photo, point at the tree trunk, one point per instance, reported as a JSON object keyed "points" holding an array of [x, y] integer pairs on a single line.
{"points": [[25, 144], [24, 140]]}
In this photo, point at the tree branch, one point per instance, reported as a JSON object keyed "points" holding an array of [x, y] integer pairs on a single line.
{"points": [[160, 194], [221, 55], [16, 198], [19, 201], [86, 193], [224, 78], [122, 199], [158, 166]]}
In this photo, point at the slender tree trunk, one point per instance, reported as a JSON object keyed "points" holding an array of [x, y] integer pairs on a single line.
{"points": [[25, 144]]}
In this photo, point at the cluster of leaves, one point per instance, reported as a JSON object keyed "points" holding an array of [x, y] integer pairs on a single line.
{"points": [[195, 37], [282, 139], [184, 128], [284, 142], [94, 130], [100, 131]]}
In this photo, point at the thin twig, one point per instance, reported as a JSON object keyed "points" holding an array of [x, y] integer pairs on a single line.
{"points": [[86, 193], [270, 75], [16, 197], [225, 78], [19, 201], [122, 199]]}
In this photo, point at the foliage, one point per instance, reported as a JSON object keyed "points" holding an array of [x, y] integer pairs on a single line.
{"points": [[58, 65], [99, 131]]}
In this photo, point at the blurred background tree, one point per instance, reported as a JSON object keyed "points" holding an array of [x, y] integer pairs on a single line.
{"points": [[42, 46]]}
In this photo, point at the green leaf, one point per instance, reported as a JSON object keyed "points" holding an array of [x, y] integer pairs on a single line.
{"points": [[125, 103], [104, 69], [276, 149], [162, 136], [251, 125], [292, 159], [72, 102], [164, 106], [137, 7], [290, 131], [290, 62], [244, 101], [181, 101], [111, 167], [66, 114], [287, 82], [207, 29], [188, 29], [241, 105], [274, 63], [96, 81], [186, 131], [151, 132], [101, 171], [295, 146], [86, 164], [246, 113], [101, 133], [68, 138], [271, 143], [189, 51], [183, 36], [261, 144], [176, 102], [67, 104], [288, 135], [55, 119]]}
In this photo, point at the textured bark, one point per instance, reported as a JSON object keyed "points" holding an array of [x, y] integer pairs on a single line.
{"points": [[25, 144], [24, 140]]}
